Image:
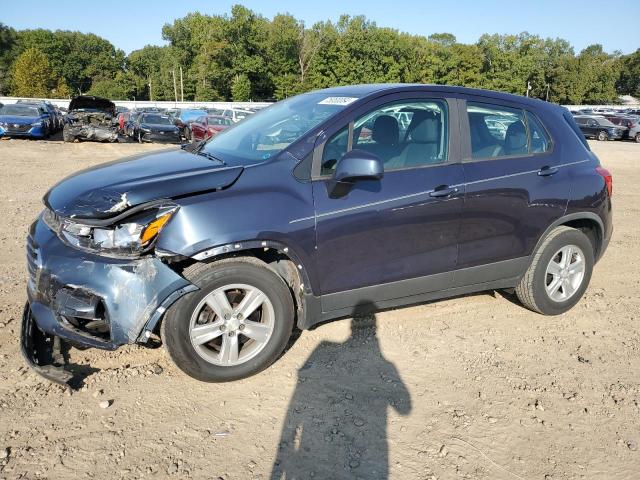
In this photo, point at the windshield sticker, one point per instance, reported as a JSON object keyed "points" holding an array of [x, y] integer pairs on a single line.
{"points": [[337, 101]]}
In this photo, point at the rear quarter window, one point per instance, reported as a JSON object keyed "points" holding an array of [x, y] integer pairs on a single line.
{"points": [[572, 124], [539, 140]]}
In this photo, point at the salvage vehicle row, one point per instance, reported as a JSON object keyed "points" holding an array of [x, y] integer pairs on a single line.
{"points": [[91, 118]]}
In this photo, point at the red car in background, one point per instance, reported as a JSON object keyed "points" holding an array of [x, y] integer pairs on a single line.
{"points": [[123, 118], [630, 123], [206, 127]]}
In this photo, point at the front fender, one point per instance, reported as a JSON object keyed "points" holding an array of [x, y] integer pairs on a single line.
{"points": [[261, 210]]}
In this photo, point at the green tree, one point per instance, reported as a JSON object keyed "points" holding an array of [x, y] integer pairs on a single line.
{"points": [[7, 55], [77, 57], [629, 80], [241, 88], [220, 55], [61, 89], [599, 71], [32, 75]]}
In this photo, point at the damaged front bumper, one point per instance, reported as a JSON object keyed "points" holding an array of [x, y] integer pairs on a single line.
{"points": [[94, 133], [161, 137], [91, 300]]}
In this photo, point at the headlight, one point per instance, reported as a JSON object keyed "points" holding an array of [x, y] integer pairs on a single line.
{"points": [[130, 237], [36, 124], [145, 129]]}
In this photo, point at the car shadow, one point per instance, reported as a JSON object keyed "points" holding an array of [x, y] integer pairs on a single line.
{"points": [[80, 372], [336, 423]]}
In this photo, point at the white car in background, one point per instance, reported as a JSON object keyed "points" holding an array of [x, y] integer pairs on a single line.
{"points": [[237, 114]]}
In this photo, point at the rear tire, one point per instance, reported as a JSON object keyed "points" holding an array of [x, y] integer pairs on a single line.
{"points": [[603, 136], [192, 314], [548, 266]]}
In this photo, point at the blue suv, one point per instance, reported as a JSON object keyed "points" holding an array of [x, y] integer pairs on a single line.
{"points": [[324, 205]]}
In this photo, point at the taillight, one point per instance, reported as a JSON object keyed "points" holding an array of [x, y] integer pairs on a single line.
{"points": [[608, 179]]}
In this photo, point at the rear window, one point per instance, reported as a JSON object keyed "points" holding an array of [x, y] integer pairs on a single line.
{"points": [[572, 123]]}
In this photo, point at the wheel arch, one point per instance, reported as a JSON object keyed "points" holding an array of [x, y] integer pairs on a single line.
{"points": [[279, 257], [587, 222]]}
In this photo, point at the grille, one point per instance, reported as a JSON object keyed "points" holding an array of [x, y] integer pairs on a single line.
{"points": [[12, 128], [34, 262]]}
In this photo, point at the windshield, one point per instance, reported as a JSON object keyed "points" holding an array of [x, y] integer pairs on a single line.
{"points": [[219, 121], [191, 114], [20, 111], [155, 119], [266, 133]]}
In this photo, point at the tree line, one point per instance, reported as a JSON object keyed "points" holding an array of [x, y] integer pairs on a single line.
{"points": [[243, 55]]}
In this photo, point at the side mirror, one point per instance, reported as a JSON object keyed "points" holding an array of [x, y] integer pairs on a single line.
{"points": [[358, 165]]}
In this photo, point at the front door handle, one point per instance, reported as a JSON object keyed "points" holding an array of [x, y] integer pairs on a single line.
{"points": [[443, 191], [547, 171]]}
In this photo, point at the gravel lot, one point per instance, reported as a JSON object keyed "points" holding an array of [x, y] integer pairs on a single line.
{"points": [[473, 387]]}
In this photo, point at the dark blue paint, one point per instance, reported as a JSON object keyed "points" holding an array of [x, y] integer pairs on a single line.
{"points": [[91, 193], [406, 224], [359, 165], [410, 235]]}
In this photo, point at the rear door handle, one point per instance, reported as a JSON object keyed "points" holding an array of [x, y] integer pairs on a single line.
{"points": [[547, 171], [443, 191]]}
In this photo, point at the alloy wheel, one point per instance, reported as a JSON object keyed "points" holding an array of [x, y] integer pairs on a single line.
{"points": [[565, 273], [232, 324]]}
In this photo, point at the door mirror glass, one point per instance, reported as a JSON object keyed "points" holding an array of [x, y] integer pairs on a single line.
{"points": [[358, 165]]}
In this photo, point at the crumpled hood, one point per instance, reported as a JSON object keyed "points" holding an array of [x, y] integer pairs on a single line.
{"points": [[107, 190], [84, 102]]}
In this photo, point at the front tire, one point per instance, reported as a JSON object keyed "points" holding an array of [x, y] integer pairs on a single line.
{"points": [[67, 137], [637, 137], [603, 136], [235, 326], [559, 272]]}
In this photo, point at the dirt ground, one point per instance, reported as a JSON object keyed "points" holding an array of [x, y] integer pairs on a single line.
{"points": [[474, 387]]}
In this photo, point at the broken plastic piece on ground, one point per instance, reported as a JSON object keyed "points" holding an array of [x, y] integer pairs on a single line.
{"points": [[43, 352]]}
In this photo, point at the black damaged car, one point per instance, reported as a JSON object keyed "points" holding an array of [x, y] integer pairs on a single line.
{"points": [[91, 118], [154, 127]]}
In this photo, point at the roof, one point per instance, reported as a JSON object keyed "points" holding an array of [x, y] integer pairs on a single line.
{"points": [[375, 88]]}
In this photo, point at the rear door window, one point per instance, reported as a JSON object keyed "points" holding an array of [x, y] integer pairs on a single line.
{"points": [[496, 131]]}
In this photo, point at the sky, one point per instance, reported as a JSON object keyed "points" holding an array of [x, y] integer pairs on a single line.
{"points": [[130, 25]]}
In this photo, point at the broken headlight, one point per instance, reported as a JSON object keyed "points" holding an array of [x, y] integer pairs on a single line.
{"points": [[132, 236]]}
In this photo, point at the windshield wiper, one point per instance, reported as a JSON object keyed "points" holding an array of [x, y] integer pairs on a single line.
{"points": [[199, 151]]}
